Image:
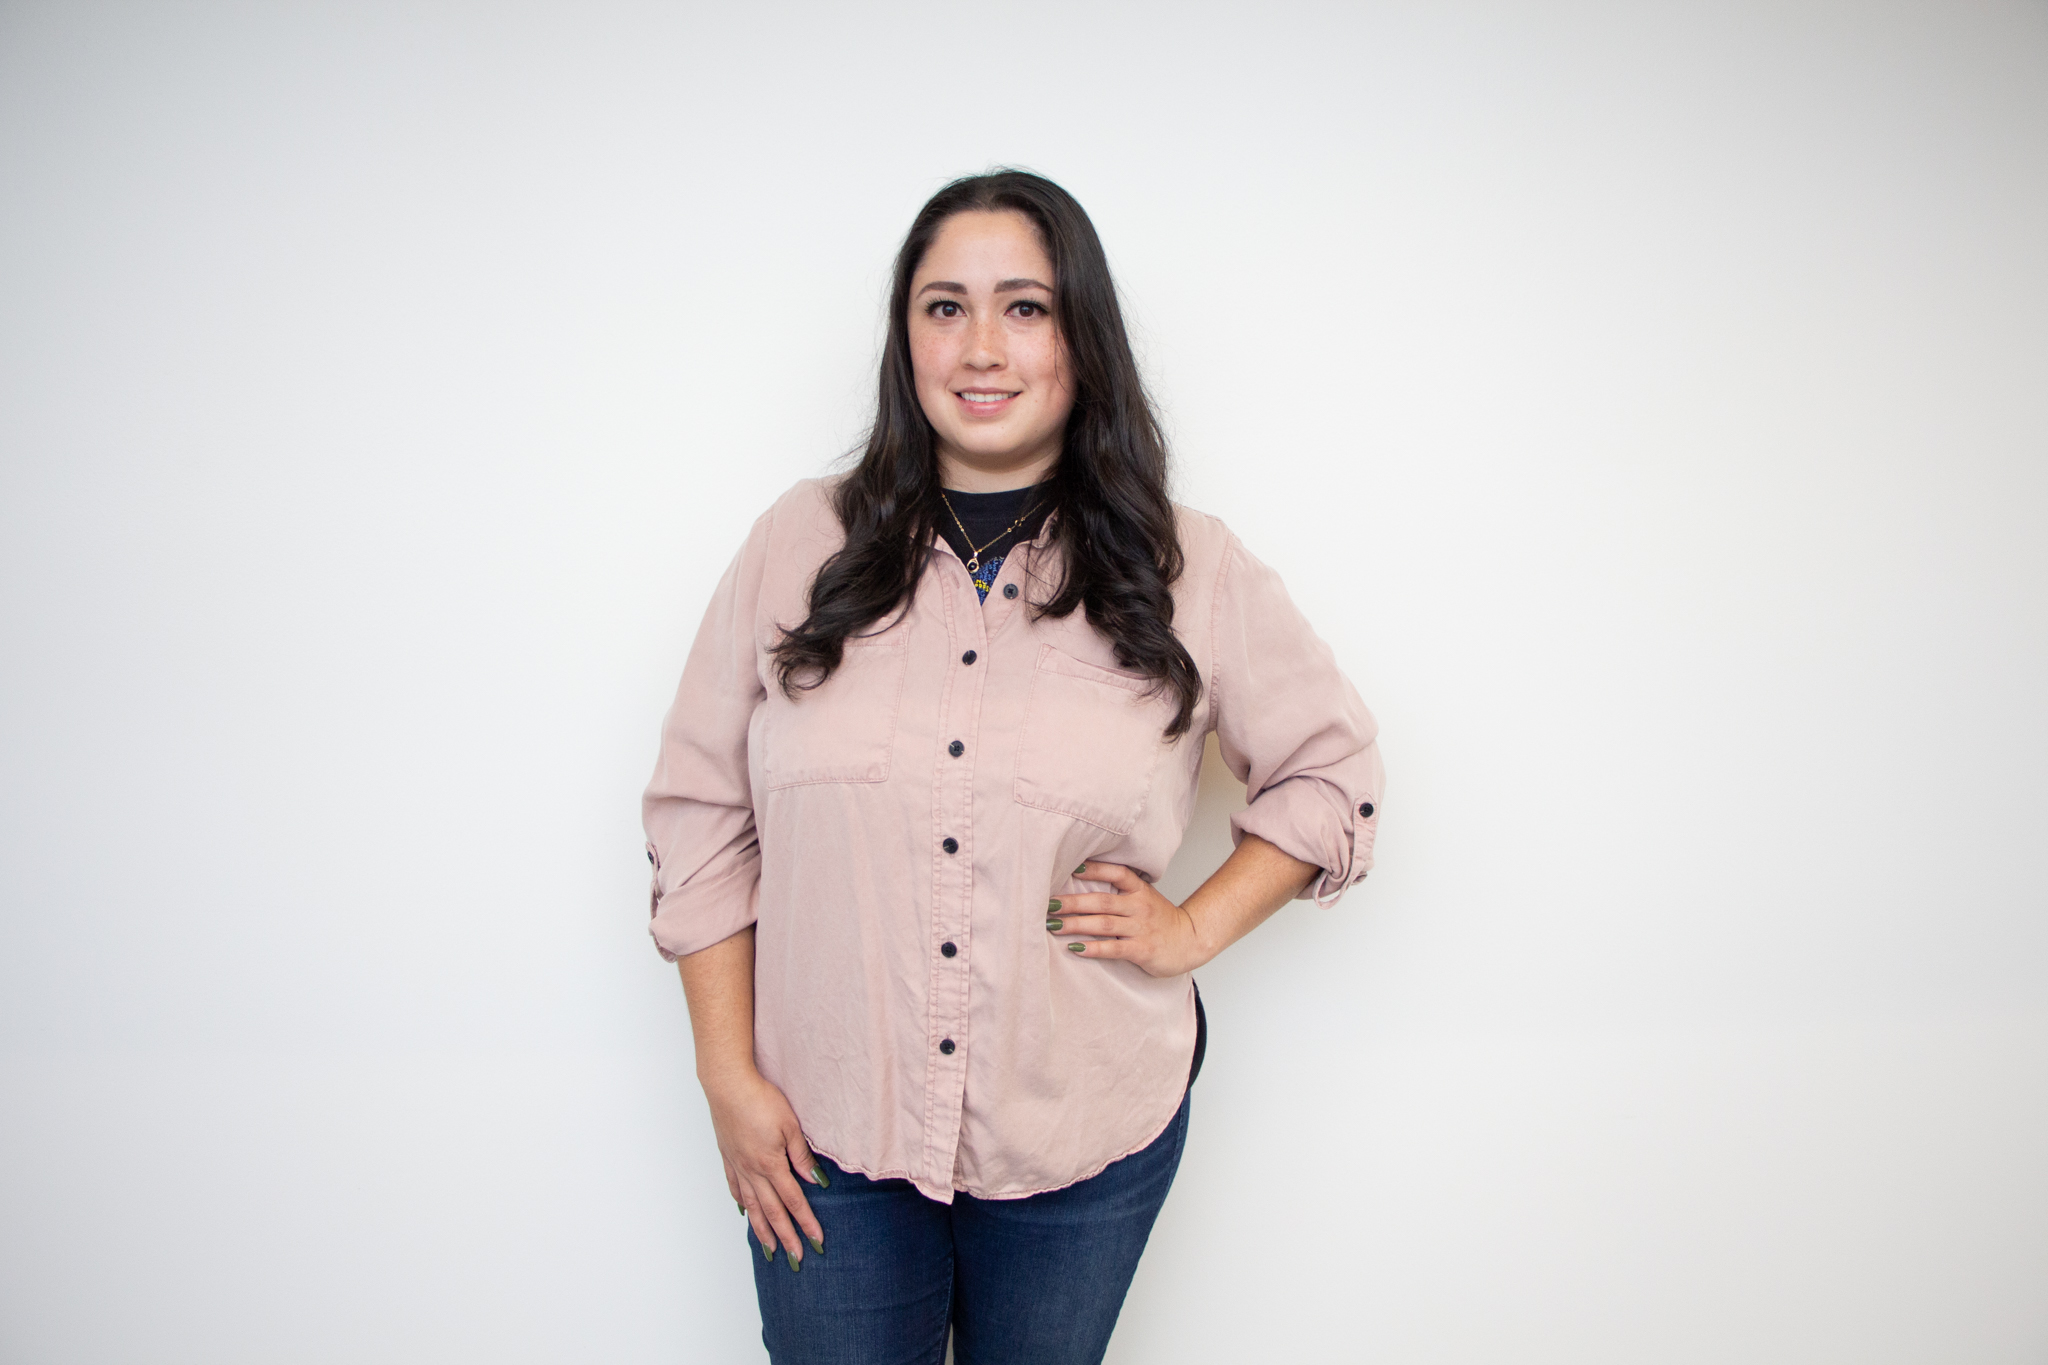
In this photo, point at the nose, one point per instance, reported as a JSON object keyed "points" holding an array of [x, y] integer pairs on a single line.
{"points": [[985, 344]]}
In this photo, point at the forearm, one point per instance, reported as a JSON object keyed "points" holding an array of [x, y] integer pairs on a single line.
{"points": [[1254, 881], [719, 983]]}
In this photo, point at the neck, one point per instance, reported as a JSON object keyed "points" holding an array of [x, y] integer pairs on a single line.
{"points": [[965, 475]]}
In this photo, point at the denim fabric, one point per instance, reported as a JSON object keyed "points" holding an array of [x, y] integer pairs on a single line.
{"points": [[1031, 1281]]}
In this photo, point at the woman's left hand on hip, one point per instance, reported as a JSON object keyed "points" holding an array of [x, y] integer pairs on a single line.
{"points": [[1133, 923]]}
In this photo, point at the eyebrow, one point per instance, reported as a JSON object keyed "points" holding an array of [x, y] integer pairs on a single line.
{"points": [[1002, 286]]}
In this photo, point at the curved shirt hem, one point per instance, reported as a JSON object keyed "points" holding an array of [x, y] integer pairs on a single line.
{"points": [[1134, 1149], [932, 1192]]}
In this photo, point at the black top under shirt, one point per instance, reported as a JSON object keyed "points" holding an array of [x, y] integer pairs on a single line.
{"points": [[985, 515]]}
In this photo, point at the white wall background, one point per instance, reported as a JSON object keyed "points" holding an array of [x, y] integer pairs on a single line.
{"points": [[1650, 403]]}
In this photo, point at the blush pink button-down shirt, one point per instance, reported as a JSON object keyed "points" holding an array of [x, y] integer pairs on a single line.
{"points": [[907, 998]]}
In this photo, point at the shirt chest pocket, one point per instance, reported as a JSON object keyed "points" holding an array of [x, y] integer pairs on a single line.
{"points": [[1090, 741], [842, 730]]}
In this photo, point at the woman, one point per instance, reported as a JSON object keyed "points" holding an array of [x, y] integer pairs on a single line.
{"points": [[972, 675]]}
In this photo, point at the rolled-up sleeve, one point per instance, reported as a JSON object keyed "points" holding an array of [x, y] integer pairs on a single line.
{"points": [[698, 809], [1293, 729]]}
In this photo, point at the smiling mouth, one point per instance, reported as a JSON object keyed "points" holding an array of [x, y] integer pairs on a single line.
{"points": [[984, 396]]}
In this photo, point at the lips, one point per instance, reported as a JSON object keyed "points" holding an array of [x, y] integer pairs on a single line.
{"points": [[984, 402]]}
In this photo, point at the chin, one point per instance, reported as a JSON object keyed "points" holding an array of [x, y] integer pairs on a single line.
{"points": [[984, 444]]}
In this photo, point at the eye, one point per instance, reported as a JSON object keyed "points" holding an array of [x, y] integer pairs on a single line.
{"points": [[1026, 308], [942, 308]]}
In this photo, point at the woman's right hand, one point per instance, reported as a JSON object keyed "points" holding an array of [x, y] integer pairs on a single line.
{"points": [[763, 1146]]}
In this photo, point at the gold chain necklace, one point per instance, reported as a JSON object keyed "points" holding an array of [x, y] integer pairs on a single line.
{"points": [[973, 550]]}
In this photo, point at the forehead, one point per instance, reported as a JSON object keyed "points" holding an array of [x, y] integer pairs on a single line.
{"points": [[981, 247]]}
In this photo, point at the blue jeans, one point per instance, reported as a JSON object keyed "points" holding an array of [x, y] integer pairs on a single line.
{"points": [[1032, 1281]]}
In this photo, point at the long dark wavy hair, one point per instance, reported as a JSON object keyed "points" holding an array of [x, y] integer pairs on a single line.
{"points": [[1114, 523]]}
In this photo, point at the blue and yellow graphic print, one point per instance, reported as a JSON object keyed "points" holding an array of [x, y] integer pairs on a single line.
{"points": [[985, 576]]}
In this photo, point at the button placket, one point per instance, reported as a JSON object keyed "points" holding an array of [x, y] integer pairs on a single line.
{"points": [[953, 871], [1004, 592]]}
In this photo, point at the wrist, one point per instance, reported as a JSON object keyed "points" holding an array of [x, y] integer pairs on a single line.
{"points": [[1201, 946], [726, 1075]]}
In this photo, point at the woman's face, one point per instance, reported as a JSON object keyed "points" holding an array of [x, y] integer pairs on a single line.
{"points": [[992, 370]]}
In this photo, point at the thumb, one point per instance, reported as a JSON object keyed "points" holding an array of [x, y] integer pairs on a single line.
{"points": [[802, 1162]]}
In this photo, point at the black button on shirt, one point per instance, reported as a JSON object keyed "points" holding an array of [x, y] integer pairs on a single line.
{"points": [[951, 845], [1010, 590], [956, 748], [969, 657], [946, 1046], [1366, 810], [947, 950]]}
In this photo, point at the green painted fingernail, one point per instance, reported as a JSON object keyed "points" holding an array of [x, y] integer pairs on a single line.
{"points": [[796, 1263], [1052, 907], [818, 1174], [1077, 947], [767, 1253], [817, 1244], [1079, 870], [1052, 926], [741, 1207]]}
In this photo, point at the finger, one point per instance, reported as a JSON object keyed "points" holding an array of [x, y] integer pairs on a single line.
{"points": [[1113, 926], [732, 1183], [1102, 947], [1117, 875], [806, 1166], [1088, 903], [757, 1218], [765, 1209], [788, 1197], [791, 1191]]}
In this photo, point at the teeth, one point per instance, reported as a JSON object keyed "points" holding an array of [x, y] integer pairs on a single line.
{"points": [[984, 397]]}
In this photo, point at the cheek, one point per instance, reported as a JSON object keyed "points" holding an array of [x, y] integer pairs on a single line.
{"points": [[1059, 377], [931, 358], [1044, 362]]}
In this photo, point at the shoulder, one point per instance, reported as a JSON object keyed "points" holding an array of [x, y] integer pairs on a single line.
{"points": [[1205, 542], [802, 518], [806, 503], [787, 543], [1221, 573], [1207, 548]]}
